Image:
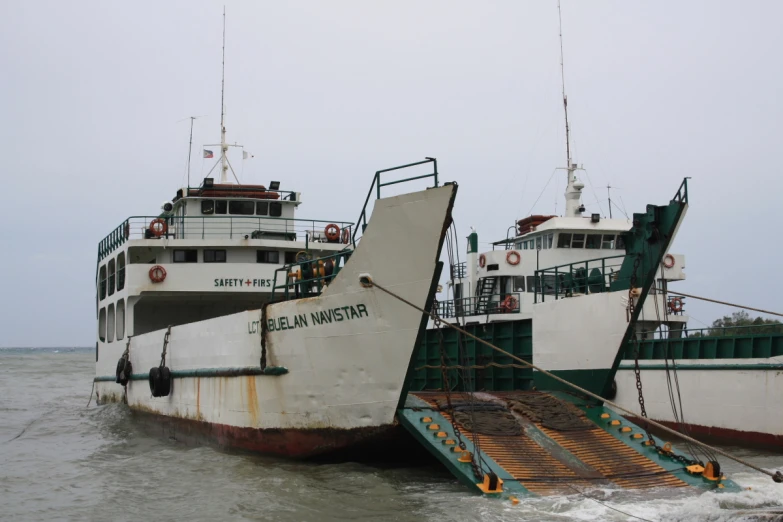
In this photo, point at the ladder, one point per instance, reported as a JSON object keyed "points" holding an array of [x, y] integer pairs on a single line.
{"points": [[486, 286]]}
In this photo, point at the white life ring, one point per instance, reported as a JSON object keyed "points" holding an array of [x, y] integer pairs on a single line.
{"points": [[668, 260]]}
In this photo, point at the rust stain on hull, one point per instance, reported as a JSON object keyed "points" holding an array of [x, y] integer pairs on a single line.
{"points": [[252, 399]]}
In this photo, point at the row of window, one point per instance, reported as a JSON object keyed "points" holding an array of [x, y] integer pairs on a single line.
{"points": [[569, 240], [241, 207], [112, 276], [219, 256], [111, 322]]}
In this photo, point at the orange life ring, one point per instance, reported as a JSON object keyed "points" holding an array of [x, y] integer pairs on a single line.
{"points": [[157, 274], [509, 304], [675, 305], [515, 255], [668, 260], [482, 260], [332, 232], [346, 236], [158, 227]]}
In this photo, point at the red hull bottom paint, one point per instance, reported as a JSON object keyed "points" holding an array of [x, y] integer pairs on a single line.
{"points": [[722, 435], [299, 444]]}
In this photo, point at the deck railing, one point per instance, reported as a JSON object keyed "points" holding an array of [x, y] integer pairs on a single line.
{"points": [[585, 277], [308, 277], [220, 227], [508, 303]]}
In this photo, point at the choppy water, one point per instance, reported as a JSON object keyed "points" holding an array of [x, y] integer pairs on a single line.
{"points": [[62, 461]]}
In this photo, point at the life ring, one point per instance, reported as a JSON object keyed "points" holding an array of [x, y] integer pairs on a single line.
{"points": [[675, 305], [332, 232], [158, 227], [127, 230], [157, 274], [482, 260], [513, 258], [668, 260], [509, 304], [346, 236]]}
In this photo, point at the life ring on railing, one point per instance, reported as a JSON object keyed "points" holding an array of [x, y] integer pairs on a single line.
{"points": [[332, 232], [675, 305], [157, 274], [516, 258], [158, 227], [668, 260], [126, 230], [482, 260], [509, 304], [346, 236]]}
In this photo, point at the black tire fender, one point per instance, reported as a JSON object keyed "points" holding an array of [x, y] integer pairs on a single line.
{"points": [[155, 381]]}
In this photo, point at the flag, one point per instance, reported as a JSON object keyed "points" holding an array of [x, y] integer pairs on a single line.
{"points": [[208, 153], [246, 155]]}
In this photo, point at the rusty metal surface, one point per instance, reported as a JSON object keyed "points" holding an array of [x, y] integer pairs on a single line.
{"points": [[550, 462]]}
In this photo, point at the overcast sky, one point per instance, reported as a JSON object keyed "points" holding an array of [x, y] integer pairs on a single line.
{"points": [[325, 93]]}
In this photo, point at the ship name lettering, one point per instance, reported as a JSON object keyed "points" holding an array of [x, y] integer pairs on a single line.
{"points": [[322, 317]]}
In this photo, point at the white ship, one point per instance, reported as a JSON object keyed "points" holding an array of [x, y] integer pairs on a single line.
{"points": [[729, 380]]}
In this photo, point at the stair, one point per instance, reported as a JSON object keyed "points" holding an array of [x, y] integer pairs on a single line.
{"points": [[484, 292]]}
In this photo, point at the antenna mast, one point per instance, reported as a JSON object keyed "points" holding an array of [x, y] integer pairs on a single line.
{"points": [[574, 187], [223, 146], [190, 146], [608, 192]]}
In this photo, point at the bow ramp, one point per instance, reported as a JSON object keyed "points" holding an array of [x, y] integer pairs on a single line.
{"points": [[523, 443]]}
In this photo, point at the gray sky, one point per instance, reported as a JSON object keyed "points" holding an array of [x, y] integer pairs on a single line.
{"points": [[325, 93]]}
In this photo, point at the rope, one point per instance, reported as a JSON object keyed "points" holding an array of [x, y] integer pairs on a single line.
{"points": [[777, 476], [91, 392], [472, 367], [721, 302]]}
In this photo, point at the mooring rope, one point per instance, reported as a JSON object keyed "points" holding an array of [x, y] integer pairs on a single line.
{"points": [[777, 476], [719, 302]]}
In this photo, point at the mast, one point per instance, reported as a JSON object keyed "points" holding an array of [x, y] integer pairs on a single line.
{"points": [[190, 146], [223, 146], [573, 186]]}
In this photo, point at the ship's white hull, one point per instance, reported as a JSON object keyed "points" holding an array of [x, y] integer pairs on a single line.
{"points": [[346, 351], [734, 400]]}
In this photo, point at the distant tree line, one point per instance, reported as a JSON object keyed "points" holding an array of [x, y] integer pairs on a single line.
{"points": [[753, 326]]}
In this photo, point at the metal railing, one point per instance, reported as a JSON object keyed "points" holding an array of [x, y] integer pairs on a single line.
{"points": [[376, 183], [581, 278], [508, 303], [308, 277], [459, 271], [714, 331], [221, 227]]}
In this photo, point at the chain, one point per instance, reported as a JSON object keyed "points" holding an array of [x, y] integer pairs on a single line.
{"points": [[447, 389], [165, 344]]}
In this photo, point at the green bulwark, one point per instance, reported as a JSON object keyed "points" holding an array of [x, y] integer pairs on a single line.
{"points": [[493, 371]]}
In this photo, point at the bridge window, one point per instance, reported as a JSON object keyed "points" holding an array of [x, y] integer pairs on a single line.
{"points": [[620, 243], [531, 283], [608, 242], [221, 206], [243, 208], [262, 208], [110, 324], [538, 243], [275, 209], [186, 256], [578, 241], [207, 206], [290, 257], [519, 284], [102, 281], [120, 319], [593, 241], [548, 240], [112, 275], [102, 325], [563, 240], [121, 271], [214, 256], [267, 256]]}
